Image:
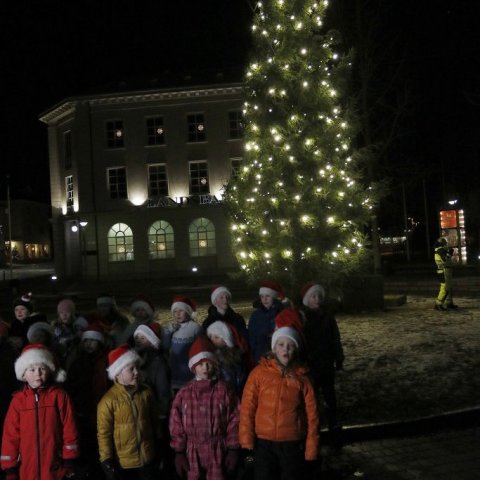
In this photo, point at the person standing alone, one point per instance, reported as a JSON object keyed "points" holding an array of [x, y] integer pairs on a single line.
{"points": [[443, 261]]}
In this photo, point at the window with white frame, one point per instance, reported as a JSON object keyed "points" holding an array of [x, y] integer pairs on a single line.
{"points": [[69, 193], [196, 127], [198, 172], [117, 182], [161, 240], [120, 243], [155, 131], [235, 124], [235, 164], [201, 234], [114, 133], [157, 180], [67, 150]]}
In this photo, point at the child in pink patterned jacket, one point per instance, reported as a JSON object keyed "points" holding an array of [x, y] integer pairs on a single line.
{"points": [[204, 420]]}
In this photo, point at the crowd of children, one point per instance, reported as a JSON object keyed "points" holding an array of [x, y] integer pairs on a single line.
{"points": [[101, 395]]}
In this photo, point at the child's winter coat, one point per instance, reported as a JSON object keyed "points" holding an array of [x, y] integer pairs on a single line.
{"points": [[279, 405], [204, 424], [39, 433]]}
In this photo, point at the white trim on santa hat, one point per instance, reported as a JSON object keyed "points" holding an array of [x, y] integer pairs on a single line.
{"points": [[288, 332], [218, 291], [32, 356], [149, 334], [268, 291], [182, 306], [136, 304], [201, 356], [315, 288], [130, 356], [223, 331], [93, 335]]}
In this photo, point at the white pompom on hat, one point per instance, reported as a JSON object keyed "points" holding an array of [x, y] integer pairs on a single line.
{"points": [[216, 291], [184, 303], [288, 332], [119, 358], [309, 289], [223, 331], [25, 301], [37, 353], [151, 332], [202, 349]]}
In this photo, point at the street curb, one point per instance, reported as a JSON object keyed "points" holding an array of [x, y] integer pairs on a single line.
{"points": [[416, 426]]}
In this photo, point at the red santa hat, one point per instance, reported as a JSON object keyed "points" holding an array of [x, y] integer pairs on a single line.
{"points": [[94, 331], [288, 317], [201, 350], [142, 301], [119, 358], [289, 332], [38, 353], [35, 327], [151, 332], [216, 291], [309, 289], [184, 303], [272, 288], [223, 331]]}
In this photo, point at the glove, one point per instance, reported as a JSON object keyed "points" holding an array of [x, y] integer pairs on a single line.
{"points": [[248, 458], [69, 468], [12, 475], [181, 464], [109, 469], [231, 460]]}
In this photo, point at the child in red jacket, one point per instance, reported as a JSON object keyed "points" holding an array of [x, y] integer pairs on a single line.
{"points": [[204, 420], [39, 434], [278, 415]]}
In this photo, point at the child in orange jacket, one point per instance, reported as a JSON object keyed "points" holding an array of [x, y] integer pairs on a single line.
{"points": [[278, 413]]}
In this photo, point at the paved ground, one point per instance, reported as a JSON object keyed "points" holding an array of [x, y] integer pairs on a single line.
{"points": [[445, 455]]}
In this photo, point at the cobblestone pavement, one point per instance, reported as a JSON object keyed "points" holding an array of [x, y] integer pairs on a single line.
{"points": [[445, 455]]}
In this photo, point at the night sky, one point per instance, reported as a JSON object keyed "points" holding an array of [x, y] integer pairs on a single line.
{"points": [[55, 49]]}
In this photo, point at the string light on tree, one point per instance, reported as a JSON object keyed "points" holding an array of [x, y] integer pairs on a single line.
{"points": [[300, 196]]}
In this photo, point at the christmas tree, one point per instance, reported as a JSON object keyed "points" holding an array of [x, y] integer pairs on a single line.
{"points": [[298, 205]]}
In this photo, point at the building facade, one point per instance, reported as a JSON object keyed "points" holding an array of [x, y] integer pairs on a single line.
{"points": [[24, 231], [137, 181]]}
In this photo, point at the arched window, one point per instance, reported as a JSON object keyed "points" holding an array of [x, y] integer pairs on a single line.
{"points": [[120, 243], [161, 240], [201, 235]]}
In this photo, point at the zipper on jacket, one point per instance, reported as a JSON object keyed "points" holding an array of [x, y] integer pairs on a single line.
{"points": [[37, 422]]}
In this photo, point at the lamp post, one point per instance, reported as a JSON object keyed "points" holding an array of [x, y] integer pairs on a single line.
{"points": [[10, 227], [83, 247]]}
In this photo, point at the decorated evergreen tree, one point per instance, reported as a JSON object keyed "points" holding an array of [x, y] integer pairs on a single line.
{"points": [[298, 205]]}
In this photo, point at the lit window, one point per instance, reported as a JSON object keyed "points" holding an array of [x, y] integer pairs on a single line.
{"points": [[157, 181], [117, 182], [120, 243], [69, 193], [155, 131], [202, 238], [199, 184], [235, 123], [196, 127], [161, 240], [114, 132]]}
